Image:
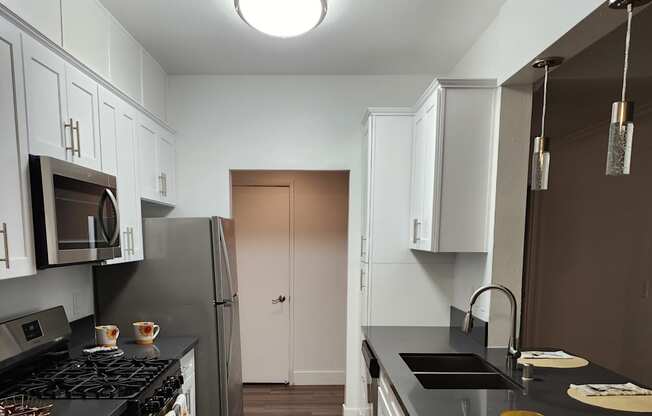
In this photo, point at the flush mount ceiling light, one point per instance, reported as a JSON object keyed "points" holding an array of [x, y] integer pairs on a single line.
{"points": [[282, 18], [621, 130], [541, 157]]}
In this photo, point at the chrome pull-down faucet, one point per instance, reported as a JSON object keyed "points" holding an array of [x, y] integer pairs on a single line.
{"points": [[513, 349]]}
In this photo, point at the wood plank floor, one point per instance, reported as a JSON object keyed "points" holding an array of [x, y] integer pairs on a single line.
{"points": [[279, 400]]}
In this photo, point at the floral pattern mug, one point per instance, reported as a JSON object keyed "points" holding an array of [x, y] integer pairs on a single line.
{"points": [[107, 335], [145, 332]]}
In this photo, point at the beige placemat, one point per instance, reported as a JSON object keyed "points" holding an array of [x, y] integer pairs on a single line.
{"points": [[574, 362], [638, 404]]}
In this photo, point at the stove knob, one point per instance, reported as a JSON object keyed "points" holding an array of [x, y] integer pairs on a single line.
{"points": [[173, 382], [151, 406]]}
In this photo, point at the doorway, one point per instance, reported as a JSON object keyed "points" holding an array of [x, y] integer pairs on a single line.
{"points": [[291, 233]]}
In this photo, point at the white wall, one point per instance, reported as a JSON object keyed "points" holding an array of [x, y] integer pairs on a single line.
{"points": [[71, 287], [520, 32], [279, 122]]}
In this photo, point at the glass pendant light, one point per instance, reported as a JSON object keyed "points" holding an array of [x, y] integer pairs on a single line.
{"points": [[621, 130], [540, 156]]}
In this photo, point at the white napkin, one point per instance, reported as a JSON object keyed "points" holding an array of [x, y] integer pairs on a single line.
{"points": [[545, 354], [181, 406], [171, 413], [628, 389]]}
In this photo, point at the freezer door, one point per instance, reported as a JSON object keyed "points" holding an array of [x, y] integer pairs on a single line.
{"points": [[226, 278], [231, 366]]}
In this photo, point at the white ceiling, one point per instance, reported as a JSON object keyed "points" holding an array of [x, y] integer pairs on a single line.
{"points": [[357, 37]]}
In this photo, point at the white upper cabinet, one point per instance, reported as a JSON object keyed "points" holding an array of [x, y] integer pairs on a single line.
{"points": [[62, 108], [82, 112], [154, 86], [45, 86], [86, 33], [167, 165], [157, 161], [451, 167], [16, 248], [150, 183], [125, 61], [118, 133], [44, 16]]}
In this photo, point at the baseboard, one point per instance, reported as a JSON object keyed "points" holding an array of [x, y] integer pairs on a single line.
{"points": [[355, 411], [320, 378]]}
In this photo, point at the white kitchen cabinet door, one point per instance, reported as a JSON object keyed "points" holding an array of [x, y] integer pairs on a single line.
{"points": [[118, 126], [128, 174], [16, 246], [125, 61], [45, 87], [452, 161], [150, 175], [86, 33], [418, 177], [82, 110], [428, 227], [154, 86], [365, 291], [44, 16], [167, 164], [366, 189], [109, 114]]}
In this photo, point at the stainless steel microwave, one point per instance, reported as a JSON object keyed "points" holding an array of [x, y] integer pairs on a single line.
{"points": [[75, 212]]}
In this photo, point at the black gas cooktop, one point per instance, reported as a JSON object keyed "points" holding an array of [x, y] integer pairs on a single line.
{"points": [[87, 378]]}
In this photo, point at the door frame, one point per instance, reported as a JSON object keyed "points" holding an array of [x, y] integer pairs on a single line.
{"points": [[258, 179]]}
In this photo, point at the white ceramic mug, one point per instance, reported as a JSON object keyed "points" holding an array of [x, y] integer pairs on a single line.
{"points": [[145, 332], [107, 335]]}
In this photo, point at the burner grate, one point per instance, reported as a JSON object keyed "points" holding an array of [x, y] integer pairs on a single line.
{"points": [[91, 378]]}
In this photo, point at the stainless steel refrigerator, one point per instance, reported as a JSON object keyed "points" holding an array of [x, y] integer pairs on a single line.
{"points": [[188, 285]]}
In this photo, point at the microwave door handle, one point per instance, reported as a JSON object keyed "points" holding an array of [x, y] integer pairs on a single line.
{"points": [[101, 219], [114, 202]]}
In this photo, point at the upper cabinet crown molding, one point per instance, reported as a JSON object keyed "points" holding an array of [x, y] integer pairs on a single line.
{"points": [[453, 83], [19, 16]]}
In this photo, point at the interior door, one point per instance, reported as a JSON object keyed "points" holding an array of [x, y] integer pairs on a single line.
{"points": [[82, 109], [262, 224]]}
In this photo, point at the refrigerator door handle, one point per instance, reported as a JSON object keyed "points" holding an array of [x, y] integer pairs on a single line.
{"points": [[227, 262]]}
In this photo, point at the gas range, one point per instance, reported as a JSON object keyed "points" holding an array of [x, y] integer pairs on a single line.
{"points": [[46, 371]]}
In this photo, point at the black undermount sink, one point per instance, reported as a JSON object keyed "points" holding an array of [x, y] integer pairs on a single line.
{"points": [[456, 371]]}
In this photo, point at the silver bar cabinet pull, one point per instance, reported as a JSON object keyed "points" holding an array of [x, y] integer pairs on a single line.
{"points": [[160, 184], [131, 241], [6, 240], [415, 231], [165, 184], [71, 126], [78, 137], [362, 241]]}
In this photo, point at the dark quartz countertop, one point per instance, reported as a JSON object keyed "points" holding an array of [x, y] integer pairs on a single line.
{"points": [[169, 348], [546, 394]]}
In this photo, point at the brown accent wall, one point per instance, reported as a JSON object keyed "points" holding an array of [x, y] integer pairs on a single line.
{"points": [[589, 237]]}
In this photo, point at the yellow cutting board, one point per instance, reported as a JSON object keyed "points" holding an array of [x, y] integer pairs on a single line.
{"points": [[574, 362], [638, 404]]}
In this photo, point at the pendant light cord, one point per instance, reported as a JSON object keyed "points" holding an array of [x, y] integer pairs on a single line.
{"points": [[627, 41], [545, 102]]}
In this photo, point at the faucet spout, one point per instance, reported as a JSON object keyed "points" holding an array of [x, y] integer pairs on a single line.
{"points": [[467, 326]]}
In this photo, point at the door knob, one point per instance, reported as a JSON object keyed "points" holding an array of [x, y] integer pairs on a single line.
{"points": [[280, 299]]}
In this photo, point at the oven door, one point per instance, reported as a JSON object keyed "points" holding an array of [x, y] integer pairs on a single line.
{"points": [[77, 219]]}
